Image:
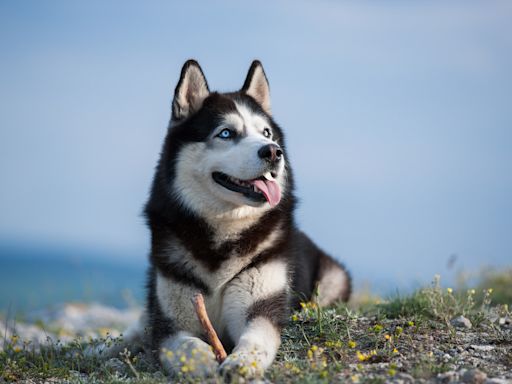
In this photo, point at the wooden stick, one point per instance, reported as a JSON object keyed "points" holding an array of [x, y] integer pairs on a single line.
{"points": [[202, 315]]}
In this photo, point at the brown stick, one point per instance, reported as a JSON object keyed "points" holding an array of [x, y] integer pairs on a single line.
{"points": [[202, 315]]}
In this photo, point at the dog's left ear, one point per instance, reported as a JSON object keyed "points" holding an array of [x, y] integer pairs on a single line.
{"points": [[190, 92], [256, 86]]}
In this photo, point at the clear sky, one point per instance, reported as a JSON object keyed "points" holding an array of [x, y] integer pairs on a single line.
{"points": [[398, 115]]}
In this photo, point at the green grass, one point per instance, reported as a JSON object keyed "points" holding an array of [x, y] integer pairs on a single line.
{"points": [[371, 343]]}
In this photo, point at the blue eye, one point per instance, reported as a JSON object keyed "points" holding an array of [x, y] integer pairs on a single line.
{"points": [[267, 133], [226, 134]]}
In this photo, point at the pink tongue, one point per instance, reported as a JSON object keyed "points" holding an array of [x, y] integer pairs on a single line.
{"points": [[270, 189]]}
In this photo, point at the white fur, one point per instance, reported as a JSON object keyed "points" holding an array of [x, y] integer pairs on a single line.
{"points": [[184, 350], [331, 285], [195, 188], [256, 348], [254, 284]]}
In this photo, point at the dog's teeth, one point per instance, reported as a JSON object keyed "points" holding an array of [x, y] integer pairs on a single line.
{"points": [[268, 176]]}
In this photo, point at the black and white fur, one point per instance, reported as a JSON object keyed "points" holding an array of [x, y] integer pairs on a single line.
{"points": [[246, 257]]}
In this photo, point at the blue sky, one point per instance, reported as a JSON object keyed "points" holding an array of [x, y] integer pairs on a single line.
{"points": [[398, 114]]}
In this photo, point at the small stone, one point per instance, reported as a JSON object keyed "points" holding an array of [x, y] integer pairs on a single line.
{"points": [[483, 348], [446, 357], [447, 377], [498, 381], [461, 322], [474, 376], [404, 377], [115, 365]]}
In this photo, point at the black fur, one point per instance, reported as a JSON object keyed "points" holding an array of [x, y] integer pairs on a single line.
{"points": [[168, 219]]}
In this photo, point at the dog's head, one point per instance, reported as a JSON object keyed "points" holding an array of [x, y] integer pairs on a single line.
{"points": [[224, 153]]}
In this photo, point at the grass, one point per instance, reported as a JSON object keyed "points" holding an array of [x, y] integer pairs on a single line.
{"points": [[372, 343]]}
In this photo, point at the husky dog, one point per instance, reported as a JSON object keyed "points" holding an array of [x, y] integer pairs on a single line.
{"points": [[221, 214]]}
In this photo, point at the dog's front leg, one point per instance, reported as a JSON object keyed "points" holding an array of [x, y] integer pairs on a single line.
{"points": [[255, 309], [189, 355]]}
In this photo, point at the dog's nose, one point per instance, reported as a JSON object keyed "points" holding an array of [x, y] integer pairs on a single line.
{"points": [[270, 152]]}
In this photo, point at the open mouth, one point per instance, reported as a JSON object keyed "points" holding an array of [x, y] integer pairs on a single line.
{"points": [[261, 189]]}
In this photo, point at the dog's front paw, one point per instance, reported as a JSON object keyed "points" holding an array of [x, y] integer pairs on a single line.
{"points": [[240, 366], [193, 358]]}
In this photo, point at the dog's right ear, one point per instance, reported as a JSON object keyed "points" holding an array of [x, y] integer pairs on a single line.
{"points": [[190, 92]]}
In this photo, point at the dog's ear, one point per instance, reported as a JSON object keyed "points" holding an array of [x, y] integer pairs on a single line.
{"points": [[256, 85], [190, 92]]}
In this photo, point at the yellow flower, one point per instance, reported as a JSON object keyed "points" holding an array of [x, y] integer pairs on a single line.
{"points": [[391, 372], [184, 368], [17, 349], [295, 317], [387, 337], [489, 290], [352, 344], [377, 328], [410, 323], [395, 350], [303, 304], [361, 356], [449, 290]]}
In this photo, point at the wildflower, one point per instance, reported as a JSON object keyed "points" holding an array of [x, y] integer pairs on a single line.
{"points": [[295, 317], [449, 290], [410, 323], [378, 328], [352, 344], [303, 304], [254, 364], [184, 369], [398, 331], [395, 350], [17, 349], [489, 291], [362, 356], [392, 372], [387, 337]]}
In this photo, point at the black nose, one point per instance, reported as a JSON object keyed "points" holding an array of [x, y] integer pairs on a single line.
{"points": [[270, 152]]}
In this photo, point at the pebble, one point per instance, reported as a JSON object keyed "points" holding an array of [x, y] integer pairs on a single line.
{"points": [[461, 322], [474, 376], [498, 381], [115, 365], [447, 377], [484, 348], [404, 378]]}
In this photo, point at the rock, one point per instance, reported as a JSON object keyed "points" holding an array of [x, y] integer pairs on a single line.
{"points": [[115, 365], [474, 376], [483, 348], [498, 381], [461, 322], [447, 377], [404, 378]]}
